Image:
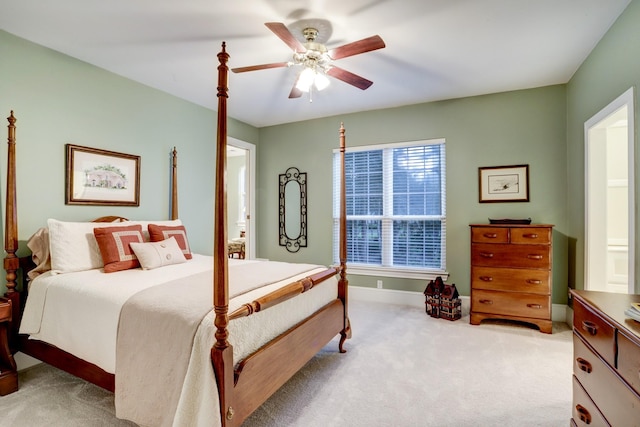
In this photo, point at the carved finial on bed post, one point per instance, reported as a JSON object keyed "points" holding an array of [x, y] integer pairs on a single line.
{"points": [[344, 283], [174, 184]]}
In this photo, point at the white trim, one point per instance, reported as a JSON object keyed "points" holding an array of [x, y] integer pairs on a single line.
{"points": [[401, 273], [384, 145], [627, 99], [250, 183], [417, 299]]}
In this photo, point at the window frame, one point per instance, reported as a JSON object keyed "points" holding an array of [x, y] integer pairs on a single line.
{"points": [[382, 270]]}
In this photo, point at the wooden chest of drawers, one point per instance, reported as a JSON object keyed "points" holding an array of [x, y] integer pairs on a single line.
{"points": [[606, 363], [511, 273]]}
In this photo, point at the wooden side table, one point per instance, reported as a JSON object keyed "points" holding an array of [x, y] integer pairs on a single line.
{"points": [[8, 369]]}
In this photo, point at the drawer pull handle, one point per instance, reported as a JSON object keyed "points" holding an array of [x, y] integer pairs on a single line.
{"points": [[486, 278], [486, 254], [530, 235], [534, 256], [589, 327], [486, 301], [490, 235], [585, 416], [534, 306], [584, 365], [534, 281]]}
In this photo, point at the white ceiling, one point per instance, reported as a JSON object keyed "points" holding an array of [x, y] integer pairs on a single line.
{"points": [[435, 49]]}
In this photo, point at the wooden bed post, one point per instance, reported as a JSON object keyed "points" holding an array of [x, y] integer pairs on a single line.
{"points": [[11, 261], [174, 184], [222, 352], [343, 284]]}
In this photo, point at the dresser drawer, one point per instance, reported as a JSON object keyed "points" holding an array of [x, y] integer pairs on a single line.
{"points": [[511, 279], [585, 412], [518, 256], [531, 236], [511, 304], [629, 361], [489, 235], [617, 402], [596, 331]]}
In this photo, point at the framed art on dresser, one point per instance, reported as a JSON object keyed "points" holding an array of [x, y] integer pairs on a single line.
{"points": [[101, 177], [503, 184]]}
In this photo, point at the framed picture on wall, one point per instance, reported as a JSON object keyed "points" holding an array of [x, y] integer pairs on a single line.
{"points": [[101, 177], [503, 184]]}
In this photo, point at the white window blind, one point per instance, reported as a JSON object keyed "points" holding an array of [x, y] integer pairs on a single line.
{"points": [[396, 203]]}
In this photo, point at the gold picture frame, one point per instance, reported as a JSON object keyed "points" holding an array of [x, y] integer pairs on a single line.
{"points": [[101, 177], [503, 184]]}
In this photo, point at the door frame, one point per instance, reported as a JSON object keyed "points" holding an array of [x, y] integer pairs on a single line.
{"points": [[250, 183], [626, 99]]}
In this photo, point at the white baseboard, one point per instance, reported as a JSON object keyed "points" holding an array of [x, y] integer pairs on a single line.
{"points": [[417, 299]]}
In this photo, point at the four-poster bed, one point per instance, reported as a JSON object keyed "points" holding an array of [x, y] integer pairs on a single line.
{"points": [[242, 381]]}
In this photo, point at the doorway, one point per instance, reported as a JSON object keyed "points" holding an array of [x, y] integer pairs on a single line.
{"points": [[241, 160], [610, 197]]}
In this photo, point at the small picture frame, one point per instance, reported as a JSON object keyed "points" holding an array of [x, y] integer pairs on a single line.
{"points": [[101, 177], [503, 184]]}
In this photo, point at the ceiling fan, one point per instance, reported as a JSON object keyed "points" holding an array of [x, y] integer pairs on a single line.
{"points": [[316, 60]]}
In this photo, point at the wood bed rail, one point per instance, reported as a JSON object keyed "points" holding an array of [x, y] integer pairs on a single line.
{"points": [[287, 292]]}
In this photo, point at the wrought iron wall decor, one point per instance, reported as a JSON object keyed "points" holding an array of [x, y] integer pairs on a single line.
{"points": [[293, 209]]}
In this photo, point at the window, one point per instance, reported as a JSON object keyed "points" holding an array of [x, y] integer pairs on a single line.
{"points": [[396, 206]]}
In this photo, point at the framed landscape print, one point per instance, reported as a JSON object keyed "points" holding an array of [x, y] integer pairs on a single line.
{"points": [[504, 183], [101, 177]]}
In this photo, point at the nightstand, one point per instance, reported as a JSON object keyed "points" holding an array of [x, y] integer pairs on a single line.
{"points": [[8, 372]]}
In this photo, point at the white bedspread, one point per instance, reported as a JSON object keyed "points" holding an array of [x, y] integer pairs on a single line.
{"points": [[87, 324]]}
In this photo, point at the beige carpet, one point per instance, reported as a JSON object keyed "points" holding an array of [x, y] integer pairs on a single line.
{"points": [[402, 368]]}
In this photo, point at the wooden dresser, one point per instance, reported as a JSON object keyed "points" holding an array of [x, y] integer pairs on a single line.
{"points": [[606, 363], [511, 273]]}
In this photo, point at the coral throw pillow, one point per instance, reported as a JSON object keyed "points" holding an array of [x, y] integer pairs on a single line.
{"points": [[158, 233], [114, 244]]}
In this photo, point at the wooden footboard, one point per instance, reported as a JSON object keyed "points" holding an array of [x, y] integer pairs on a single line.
{"points": [[264, 372]]}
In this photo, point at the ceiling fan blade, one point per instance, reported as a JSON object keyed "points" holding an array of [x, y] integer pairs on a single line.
{"points": [[280, 30], [260, 67], [349, 77], [356, 48]]}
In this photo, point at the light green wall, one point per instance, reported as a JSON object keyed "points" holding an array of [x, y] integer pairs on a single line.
{"points": [[59, 100], [522, 127], [612, 68]]}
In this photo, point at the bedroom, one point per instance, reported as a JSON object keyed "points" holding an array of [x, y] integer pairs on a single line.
{"points": [[59, 99]]}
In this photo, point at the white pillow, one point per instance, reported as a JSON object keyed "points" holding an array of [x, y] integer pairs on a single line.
{"points": [[73, 246], [158, 254]]}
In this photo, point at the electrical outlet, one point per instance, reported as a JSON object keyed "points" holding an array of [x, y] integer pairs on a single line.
{"points": [[379, 284]]}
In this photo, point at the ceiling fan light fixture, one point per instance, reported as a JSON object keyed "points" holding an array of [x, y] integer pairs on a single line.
{"points": [[321, 81], [310, 77], [306, 79]]}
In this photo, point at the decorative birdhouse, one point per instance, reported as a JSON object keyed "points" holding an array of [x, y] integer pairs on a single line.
{"points": [[442, 300]]}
